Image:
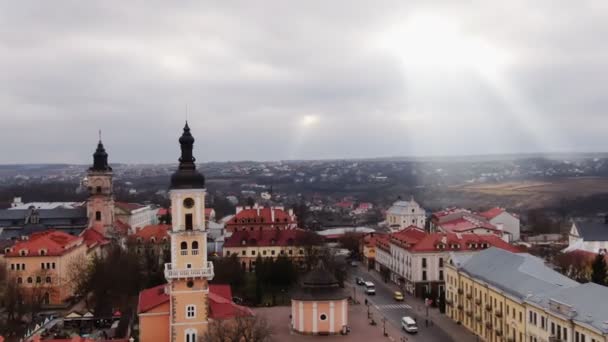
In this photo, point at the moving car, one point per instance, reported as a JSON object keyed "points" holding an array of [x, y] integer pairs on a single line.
{"points": [[408, 324], [398, 296], [359, 281], [370, 289]]}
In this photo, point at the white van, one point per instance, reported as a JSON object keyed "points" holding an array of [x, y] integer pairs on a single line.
{"points": [[370, 289], [408, 324]]}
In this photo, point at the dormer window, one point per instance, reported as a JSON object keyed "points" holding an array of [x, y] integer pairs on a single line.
{"points": [[23, 252], [139, 240], [243, 242], [153, 239], [272, 242], [42, 252]]}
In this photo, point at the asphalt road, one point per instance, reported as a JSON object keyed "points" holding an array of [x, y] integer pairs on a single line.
{"points": [[393, 310]]}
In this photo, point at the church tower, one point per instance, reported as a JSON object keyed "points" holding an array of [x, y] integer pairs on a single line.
{"points": [[100, 205], [189, 271]]}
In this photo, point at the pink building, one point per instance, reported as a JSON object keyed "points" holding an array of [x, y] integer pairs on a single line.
{"points": [[320, 306]]}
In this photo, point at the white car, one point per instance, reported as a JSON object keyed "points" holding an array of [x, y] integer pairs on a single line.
{"points": [[408, 324], [370, 289]]}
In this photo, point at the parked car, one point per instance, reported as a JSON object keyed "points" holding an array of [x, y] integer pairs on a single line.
{"points": [[359, 281], [408, 324], [398, 296]]}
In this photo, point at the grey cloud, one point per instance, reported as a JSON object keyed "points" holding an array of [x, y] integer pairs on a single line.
{"points": [[249, 72]]}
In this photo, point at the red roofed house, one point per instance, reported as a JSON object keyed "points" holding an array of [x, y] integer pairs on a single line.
{"points": [[95, 241], [247, 245], [496, 221], [416, 259], [261, 218], [500, 217], [368, 249], [154, 236], [154, 306], [41, 264]]}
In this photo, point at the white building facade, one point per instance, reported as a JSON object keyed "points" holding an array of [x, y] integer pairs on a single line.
{"points": [[403, 214]]}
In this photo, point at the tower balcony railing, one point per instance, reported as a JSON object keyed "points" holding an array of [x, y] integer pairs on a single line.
{"points": [[195, 252], [181, 229], [171, 272]]}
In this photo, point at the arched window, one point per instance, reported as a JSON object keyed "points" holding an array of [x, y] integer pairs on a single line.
{"points": [[183, 245], [48, 280], [194, 244], [38, 280], [30, 280], [191, 335], [98, 190], [46, 299], [19, 280], [98, 216]]}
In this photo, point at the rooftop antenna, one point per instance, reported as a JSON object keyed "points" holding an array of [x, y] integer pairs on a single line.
{"points": [[99, 135]]}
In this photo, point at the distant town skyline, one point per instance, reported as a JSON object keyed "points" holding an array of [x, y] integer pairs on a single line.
{"points": [[301, 81]]}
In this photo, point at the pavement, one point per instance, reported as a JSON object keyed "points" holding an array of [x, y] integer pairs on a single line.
{"points": [[440, 328]]}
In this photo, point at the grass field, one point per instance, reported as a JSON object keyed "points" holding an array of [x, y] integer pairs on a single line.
{"points": [[537, 193]]}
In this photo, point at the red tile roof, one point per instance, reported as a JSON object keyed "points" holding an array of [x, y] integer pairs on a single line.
{"points": [[156, 231], [220, 301], [262, 216], [371, 239], [265, 238], [408, 236], [54, 243], [122, 228], [92, 237], [460, 242], [492, 213], [466, 223]]}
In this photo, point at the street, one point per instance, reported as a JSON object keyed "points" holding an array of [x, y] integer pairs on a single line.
{"points": [[384, 304]]}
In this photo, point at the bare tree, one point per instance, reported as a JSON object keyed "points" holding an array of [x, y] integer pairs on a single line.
{"points": [[240, 328]]}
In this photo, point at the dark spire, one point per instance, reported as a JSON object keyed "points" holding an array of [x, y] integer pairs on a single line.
{"points": [[100, 158], [186, 176]]}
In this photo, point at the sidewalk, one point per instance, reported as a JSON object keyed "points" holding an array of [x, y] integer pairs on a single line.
{"points": [[457, 332]]}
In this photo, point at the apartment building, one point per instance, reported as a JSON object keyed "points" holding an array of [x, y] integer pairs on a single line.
{"points": [[503, 296], [416, 260], [41, 264]]}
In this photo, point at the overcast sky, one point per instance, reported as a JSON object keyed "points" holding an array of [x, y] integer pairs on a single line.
{"points": [[269, 80]]}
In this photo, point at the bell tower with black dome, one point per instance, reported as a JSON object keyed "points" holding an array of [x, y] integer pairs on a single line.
{"points": [[189, 272], [100, 204]]}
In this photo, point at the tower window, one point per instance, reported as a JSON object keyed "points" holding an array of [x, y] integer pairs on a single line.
{"points": [[190, 335], [189, 224], [194, 244], [183, 245], [98, 216], [190, 311], [98, 189]]}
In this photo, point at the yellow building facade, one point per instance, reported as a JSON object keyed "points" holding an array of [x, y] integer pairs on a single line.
{"points": [[502, 296], [41, 265]]}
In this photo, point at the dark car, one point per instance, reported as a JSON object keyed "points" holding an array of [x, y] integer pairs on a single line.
{"points": [[359, 281]]}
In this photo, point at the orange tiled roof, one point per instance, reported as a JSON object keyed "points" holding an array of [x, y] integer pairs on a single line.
{"points": [[156, 231], [265, 238], [52, 242], [265, 216]]}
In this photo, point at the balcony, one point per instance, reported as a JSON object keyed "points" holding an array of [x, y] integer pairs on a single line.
{"points": [[478, 318], [182, 273], [460, 291], [488, 307], [512, 339], [469, 296], [459, 306], [478, 301], [469, 313], [498, 332], [488, 325], [183, 252], [498, 313], [195, 252]]}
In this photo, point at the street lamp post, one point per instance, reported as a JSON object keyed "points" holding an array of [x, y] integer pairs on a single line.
{"points": [[384, 326]]}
